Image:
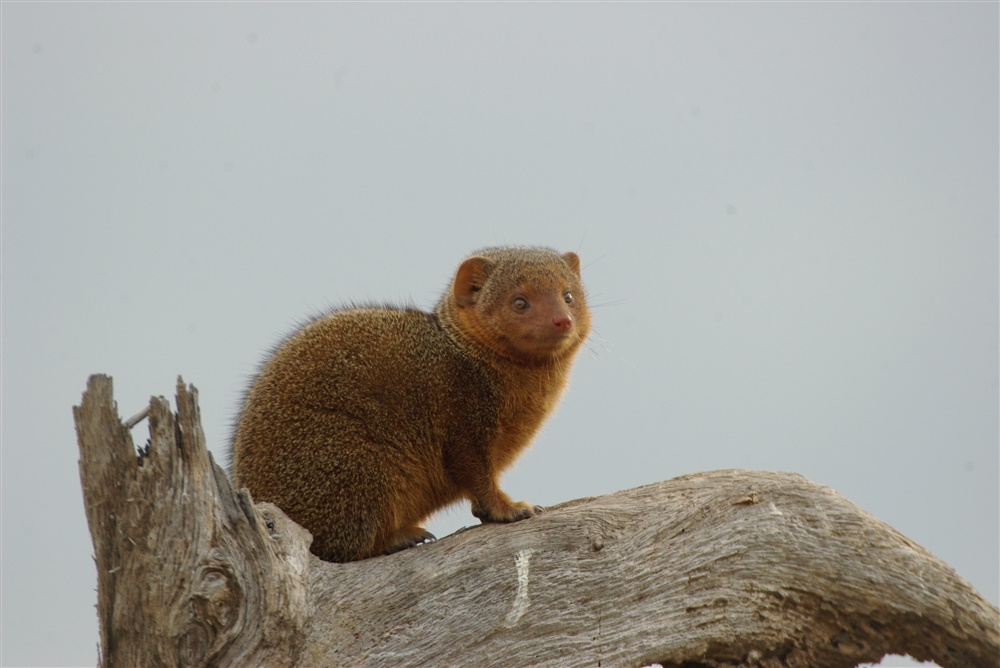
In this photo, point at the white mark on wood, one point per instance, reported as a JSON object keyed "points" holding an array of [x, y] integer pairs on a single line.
{"points": [[774, 509], [521, 600]]}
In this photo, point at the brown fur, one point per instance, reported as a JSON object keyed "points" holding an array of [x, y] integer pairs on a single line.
{"points": [[365, 421]]}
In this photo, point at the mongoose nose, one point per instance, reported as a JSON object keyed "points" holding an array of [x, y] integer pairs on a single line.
{"points": [[562, 322]]}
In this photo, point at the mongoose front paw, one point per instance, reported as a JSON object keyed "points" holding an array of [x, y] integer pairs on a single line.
{"points": [[513, 513]]}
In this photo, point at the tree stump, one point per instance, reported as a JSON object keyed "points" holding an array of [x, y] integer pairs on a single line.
{"points": [[727, 568]]}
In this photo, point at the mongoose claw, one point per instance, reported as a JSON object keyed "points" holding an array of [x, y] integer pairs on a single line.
{"points": [[515, 513], [528, 511], [412, 539]]}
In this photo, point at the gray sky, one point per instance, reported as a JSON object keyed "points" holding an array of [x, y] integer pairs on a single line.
{"points": [[787, 214]]}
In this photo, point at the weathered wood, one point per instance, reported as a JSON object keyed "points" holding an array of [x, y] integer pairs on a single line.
{"points": [[729, 568], [189, 573], [725, 568]]}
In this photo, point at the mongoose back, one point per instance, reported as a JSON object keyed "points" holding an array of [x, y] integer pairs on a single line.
{"points": [[366, 420]]}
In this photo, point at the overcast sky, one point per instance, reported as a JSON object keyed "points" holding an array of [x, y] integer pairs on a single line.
{"points": [[787, 215]]}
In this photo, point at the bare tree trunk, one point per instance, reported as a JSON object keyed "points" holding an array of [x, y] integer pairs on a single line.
{"points": [[729, 568]]}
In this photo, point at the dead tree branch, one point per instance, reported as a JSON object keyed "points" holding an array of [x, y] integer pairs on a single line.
{"points": [[728, 568]]}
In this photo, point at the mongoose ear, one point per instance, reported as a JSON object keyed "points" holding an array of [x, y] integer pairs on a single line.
{"points": [[573, 260], [470, 278]]}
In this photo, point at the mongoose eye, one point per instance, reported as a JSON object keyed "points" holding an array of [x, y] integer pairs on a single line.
{"points": [[521, 304], [568, 297]]}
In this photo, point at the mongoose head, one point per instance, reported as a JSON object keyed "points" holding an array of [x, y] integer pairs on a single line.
{"points": [[526, 304]]}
